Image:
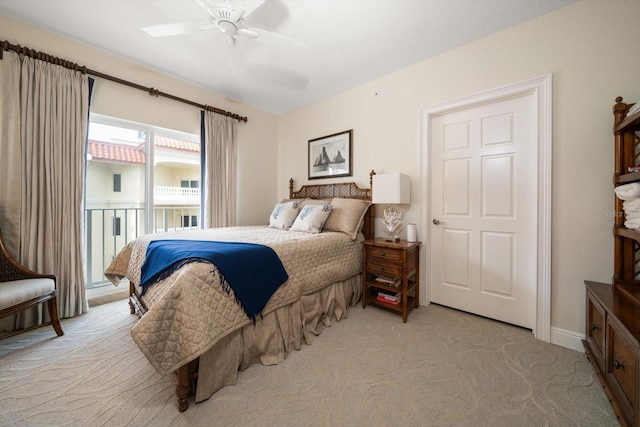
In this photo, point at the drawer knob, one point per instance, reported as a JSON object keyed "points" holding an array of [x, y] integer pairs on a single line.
{"points": [[383, 254], [593, 327], [617, 365]]}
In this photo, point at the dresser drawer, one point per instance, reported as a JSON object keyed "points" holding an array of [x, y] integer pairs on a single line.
{"points": [[384, 254], [621, 369], [596, 321]]}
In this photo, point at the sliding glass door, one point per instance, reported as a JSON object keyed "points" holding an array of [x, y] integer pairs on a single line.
{"points": [[139, 180]]}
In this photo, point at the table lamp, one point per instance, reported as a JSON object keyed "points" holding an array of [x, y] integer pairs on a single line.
{"points": [[391, 189]]}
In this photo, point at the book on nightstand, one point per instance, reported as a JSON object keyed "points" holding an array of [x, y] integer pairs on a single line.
{"points": [[389, 297], [388, 300], [390, 281]]}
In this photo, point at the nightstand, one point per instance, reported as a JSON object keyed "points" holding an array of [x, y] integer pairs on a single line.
{"points": [[391, 275]]}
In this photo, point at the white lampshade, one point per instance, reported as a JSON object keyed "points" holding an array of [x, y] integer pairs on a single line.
{"points": [[391, 188]]}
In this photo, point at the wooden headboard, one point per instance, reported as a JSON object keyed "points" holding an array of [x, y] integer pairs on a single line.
{"points": [[348, 190]]}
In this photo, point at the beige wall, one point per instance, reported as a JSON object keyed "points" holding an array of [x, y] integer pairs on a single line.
{"points": [[257, 139], [582, 45], [586, 48]]}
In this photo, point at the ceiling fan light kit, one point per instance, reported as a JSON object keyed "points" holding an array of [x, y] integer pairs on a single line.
{"points": [[223, 16], [227, 19]]}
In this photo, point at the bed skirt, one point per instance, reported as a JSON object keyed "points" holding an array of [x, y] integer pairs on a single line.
{"points": [[275, 335]]}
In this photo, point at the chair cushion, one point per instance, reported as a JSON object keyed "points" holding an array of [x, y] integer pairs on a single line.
{"points": [[17, 291]]}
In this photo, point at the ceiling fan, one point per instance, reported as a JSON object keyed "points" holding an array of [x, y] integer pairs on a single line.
{"points": [[225, 17]]}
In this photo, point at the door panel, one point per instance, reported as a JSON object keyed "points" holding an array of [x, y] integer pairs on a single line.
{"points": [[483, 253], [497, 264], [456, 258], [457, 187], [497, 186], [497, 129], [456, 136]]}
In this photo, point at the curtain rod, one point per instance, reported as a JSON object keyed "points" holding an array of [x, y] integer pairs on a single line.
{"points": [[83, 69]]}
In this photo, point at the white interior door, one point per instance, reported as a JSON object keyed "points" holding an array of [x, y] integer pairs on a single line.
{"points": [[483, 245]]}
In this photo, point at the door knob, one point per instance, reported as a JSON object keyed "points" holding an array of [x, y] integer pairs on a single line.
{"points": [[436, 221]]}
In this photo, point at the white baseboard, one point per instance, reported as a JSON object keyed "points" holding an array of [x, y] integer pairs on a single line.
{"points": [[567, 339]]}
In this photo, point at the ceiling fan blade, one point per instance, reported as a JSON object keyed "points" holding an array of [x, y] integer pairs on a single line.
{"points": [[237, 14], [276, 38], [175, 29], [206, 5], [249, 32], [264, 13], [254, 5]]}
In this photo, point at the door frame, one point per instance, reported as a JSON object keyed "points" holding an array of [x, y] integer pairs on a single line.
{"points": [[541, 88]]}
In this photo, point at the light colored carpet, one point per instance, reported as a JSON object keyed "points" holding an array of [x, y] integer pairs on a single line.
{"points": [[108, 294], [442, 368]]}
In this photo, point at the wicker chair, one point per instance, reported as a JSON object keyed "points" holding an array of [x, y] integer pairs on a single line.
{"points": [[21, 288]]}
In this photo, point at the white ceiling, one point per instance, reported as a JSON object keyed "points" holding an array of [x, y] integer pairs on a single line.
{"points": [[349, 42]]}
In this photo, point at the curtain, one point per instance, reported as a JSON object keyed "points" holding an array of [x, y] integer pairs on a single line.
{"points": [[45, 110], [220, 163]]}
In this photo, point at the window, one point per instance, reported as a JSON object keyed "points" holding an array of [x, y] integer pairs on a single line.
{"points": [[117, 183], [189, 220], [190, 184], [116, 225]]}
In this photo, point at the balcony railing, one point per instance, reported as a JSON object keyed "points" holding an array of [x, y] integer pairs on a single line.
{"points": [[182, 195], [108, 230]]}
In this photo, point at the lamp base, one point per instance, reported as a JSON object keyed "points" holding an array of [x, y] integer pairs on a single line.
{"points": [[391, 236], [393, 223]]}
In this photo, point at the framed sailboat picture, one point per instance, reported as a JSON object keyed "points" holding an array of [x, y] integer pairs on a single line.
{"points": [[330, 156]]}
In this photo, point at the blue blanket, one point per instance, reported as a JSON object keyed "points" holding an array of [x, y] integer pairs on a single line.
{"points": [[254, 272]]}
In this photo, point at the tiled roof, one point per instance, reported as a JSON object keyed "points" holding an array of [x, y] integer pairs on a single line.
{"points": [[177, 144], [110, 152]]}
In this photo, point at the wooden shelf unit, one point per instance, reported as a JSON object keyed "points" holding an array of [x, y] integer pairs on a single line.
{"points": [[612, 341]]}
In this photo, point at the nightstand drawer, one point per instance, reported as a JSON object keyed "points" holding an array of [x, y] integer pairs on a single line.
{"points": [[385, 254], [385, 269]]}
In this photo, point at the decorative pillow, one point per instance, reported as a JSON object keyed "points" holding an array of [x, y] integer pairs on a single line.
{"points": [[311, 218], [307, 202], [293, 200], [347, 216], [284, 214]]}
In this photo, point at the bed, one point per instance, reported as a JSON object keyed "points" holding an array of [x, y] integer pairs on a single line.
{"points": [[191, 325]]}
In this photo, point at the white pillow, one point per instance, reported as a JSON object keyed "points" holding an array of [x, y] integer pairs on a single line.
{"points": [[284, 214], [312, 218]]}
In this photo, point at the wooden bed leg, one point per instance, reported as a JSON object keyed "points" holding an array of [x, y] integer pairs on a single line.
{"points": [[132, 308], [182, 389]]}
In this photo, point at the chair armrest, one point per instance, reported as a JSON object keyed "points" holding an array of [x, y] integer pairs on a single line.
{"points": [[10, 269]]}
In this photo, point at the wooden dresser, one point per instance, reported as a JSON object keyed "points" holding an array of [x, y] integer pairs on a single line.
{"points": [[613, 310]]}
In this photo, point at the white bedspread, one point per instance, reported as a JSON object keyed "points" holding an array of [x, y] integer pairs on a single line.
{"points": [[189, 311]]}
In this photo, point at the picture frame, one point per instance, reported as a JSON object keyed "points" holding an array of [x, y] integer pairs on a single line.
{"points": [[331, 156]]}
